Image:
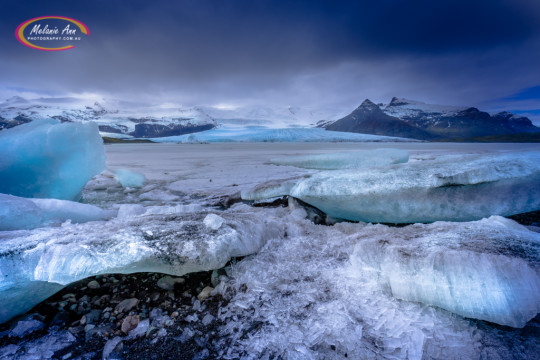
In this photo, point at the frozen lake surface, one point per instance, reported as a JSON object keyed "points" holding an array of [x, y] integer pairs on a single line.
{"points": [[452, 290]]}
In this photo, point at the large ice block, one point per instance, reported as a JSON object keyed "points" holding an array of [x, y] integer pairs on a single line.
{"points": [[454, 188], [35, 264], [488, 269], [49, 159]]}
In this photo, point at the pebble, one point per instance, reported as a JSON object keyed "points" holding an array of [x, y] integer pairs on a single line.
{"points": [[130, 323], [169, 282], [93, 285], [205, 293], [127, 305]]}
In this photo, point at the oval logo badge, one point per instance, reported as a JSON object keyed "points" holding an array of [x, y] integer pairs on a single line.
{"points": [[51, 33]]}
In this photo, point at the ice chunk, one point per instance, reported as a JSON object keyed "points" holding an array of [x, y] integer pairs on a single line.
{"points": [[44, 347], [129, 178], [455, 188], [25, 327], [49, 159], [488, 270], [21, 213], [34, 264], [349, 160], [213, 221]]}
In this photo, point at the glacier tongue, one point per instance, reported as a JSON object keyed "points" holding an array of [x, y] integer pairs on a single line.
{"points": [[453, 188], [34, 263], [47, 159]]}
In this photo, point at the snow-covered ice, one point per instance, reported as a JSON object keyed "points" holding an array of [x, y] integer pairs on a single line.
{"points": [[349, 160], [49, 159], [455, 188]]}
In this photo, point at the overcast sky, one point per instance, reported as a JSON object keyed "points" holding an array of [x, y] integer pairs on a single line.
{"points": [[322, 54]]}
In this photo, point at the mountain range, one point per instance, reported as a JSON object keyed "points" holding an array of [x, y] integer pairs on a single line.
{"points": [[399, 118], [417, 120]]}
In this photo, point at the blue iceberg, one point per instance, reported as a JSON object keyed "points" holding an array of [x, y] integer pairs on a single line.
{"points": [[49, 159]]}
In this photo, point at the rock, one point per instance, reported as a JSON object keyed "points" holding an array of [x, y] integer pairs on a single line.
{"points": [[205, 293], [113, 345], [102, 331], [127, 305], [130, 323], [93, 285], [155, 296], [89, 327], [26, 327], [75, 330], [168, 282], [92, 317]]}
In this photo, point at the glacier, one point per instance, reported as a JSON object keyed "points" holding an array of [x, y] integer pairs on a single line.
{"points": [[35, 264], [49, 159], [453, 188], [18, 213], [349, 160], [263, 134]]}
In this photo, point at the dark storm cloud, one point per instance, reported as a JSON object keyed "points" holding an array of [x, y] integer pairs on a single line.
{"points": [[298, 51]]}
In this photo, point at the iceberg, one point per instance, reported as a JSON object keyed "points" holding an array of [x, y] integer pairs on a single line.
{"points": [[18, 213], [49, 159], [35, 264], [451, 188], [349, 160]]}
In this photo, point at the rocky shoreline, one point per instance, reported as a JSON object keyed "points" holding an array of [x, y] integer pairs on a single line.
{"points": [[117, 316]]}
